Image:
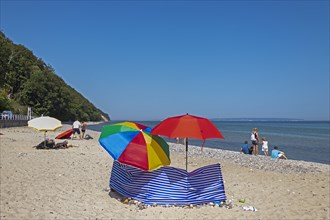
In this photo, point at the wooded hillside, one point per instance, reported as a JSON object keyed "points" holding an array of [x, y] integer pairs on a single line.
{"points": [[26, 80]]}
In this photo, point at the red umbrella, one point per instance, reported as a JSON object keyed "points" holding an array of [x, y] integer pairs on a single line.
{"points": [[187, 126]]}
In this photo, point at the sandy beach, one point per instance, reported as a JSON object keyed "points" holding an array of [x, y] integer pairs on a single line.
{"points": [[73, 183]]}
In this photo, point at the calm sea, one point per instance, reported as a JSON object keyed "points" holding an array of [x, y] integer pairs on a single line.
{"points": [[300, 140]]}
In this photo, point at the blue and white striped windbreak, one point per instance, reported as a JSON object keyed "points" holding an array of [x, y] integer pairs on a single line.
{"points": [[169, 185]]}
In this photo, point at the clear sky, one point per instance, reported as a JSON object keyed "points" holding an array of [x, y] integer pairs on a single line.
{"points": [[146, 60]]}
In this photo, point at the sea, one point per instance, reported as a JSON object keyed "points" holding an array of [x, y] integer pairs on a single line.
{"points": [[300, 140]]}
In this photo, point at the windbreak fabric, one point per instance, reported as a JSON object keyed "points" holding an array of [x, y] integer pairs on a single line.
{"points": [[169, 185]]}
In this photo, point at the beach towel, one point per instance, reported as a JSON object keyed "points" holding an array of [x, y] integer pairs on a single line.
{"points": [[169, 185], [87, 137]]}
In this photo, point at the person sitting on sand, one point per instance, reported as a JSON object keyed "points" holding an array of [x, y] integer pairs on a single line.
{"points": [[276, 153], [246, 149]]}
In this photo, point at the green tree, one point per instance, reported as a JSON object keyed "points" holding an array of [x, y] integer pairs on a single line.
{"points": [[28, 81]]}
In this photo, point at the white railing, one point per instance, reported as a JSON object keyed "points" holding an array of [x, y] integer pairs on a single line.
{"points": [[13, 117]]}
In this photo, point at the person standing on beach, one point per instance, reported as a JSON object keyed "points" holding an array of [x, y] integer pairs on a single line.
{"points": [[76, 129], [264, 146], [255, 141], [83, 129]]}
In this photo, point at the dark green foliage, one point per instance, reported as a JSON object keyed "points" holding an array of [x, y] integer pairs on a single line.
{"points": [[4, 102], [28, 81]]}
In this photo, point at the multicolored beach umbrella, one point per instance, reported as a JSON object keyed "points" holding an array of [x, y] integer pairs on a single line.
{"points": [[132, 144]]}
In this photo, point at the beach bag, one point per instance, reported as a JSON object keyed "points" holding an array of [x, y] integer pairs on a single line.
{"points": [[87, 137]]}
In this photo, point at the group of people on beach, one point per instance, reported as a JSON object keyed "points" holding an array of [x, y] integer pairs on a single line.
{"points": [[79, 128], [253, 149]]}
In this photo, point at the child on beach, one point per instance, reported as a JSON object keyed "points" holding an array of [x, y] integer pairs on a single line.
{"points": [[265, 146]]}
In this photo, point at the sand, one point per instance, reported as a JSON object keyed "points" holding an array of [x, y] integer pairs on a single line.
{"points": [[73, 183]]}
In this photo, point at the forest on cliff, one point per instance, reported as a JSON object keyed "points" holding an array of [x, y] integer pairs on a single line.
{"points": [[27, 81]]}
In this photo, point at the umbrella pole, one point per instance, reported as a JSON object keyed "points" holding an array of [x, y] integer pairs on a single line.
{"points": [[186, 154], [45, 139]]}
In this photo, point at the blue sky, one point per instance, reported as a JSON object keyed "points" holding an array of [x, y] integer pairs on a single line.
{"points": [[146, 60]]}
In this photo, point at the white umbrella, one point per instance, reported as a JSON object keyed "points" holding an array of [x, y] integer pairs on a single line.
{"points": [[45, 123]]}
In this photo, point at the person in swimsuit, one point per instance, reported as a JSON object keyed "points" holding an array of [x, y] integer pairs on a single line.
{"points": [[255, 141], [83, 129]]}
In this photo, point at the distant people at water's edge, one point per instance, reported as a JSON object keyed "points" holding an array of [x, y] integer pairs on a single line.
{"points": [[264, 147], [276, 153], [255, 141], [246, 148], [184, 140]]}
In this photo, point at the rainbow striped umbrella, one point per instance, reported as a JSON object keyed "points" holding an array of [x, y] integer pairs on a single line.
{"points": [[132, 144]]}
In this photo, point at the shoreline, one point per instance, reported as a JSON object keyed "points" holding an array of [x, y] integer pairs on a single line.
{"points": [[68, 123], [254, 162], [229, 154], [297, 146], [239, 158], [74, 182]]}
